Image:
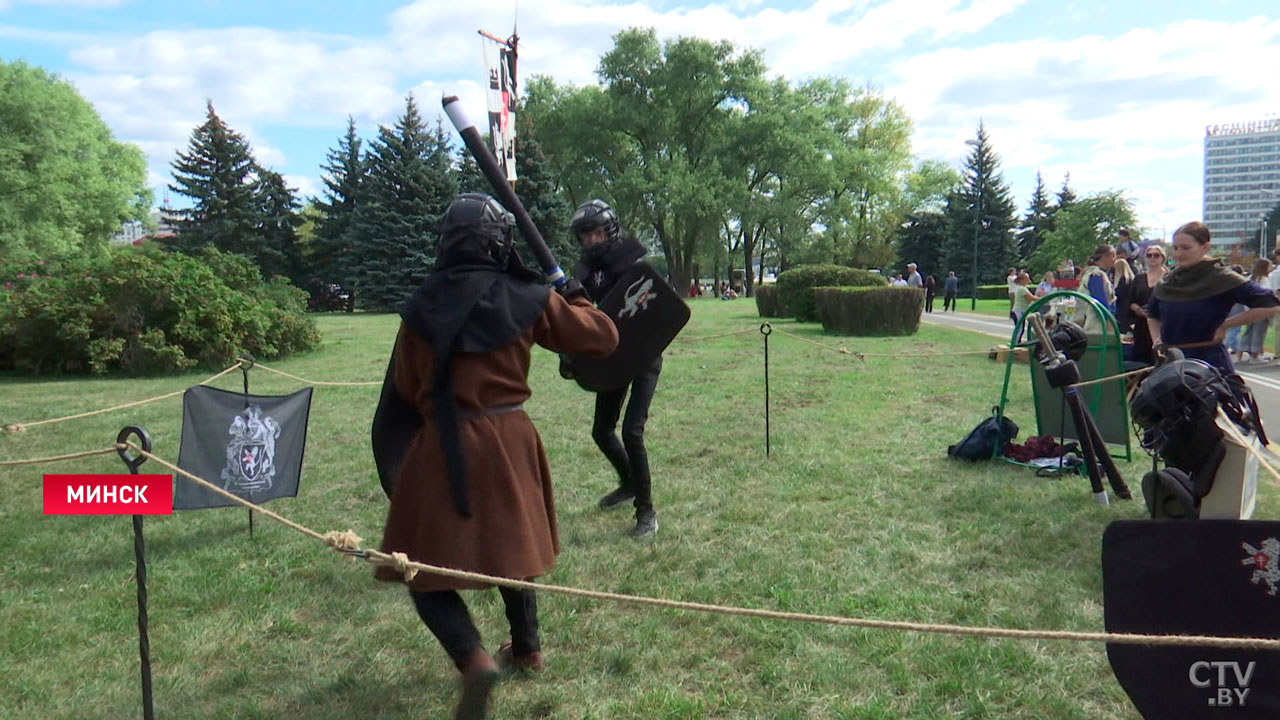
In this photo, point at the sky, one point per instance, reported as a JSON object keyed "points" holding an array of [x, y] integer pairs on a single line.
{"points": [[1118, 93]]}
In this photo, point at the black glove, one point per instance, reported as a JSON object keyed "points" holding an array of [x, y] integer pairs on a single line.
{"points": [[566, 367], [573, 289]]}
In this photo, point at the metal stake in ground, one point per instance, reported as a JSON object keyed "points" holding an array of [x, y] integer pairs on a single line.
{"points": [[766, 329], [140, 558]]}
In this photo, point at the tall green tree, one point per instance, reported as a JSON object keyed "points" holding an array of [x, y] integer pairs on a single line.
{"points": [[920, 240], [410, 182], [541, 196], [343, 177], [220, 176], [649, 139], [66, 184], [981, 219], [1036, 222], [278, 251], [868, 155], [1082, 226], [1062, 200]]}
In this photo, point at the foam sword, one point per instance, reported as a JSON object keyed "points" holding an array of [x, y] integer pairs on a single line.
{"points": [[506, 195]]}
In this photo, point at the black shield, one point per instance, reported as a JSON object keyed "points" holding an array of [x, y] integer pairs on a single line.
{"points": [[1194, 577], [649, 314]]}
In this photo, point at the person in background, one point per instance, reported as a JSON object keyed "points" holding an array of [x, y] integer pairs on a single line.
{"points": [[1191, 304], [913, 276], [1046, 285], [1121, 280], [1137, 297], [1256, 332], [1022, 295], [1096, 278], [950, 288], [930, 291], [1127, 248]]}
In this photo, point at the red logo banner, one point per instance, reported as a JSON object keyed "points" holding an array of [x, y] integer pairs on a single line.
{"points": [[108, 494]]}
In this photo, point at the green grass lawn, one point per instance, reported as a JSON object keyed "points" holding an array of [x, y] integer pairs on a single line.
{"points": [[856, 512]]}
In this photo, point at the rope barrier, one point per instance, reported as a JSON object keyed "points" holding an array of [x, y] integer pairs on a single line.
{"points": [[713, 337], [260, 366], [57, 458], [1109, 378], [22, 427], [348, 543], [1239, 437]]}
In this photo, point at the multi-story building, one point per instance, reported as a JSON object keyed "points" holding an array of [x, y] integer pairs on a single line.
{"points": [[1241, 181]]}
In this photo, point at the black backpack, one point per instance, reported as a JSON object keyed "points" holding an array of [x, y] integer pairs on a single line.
{"points": [[986, 440]]}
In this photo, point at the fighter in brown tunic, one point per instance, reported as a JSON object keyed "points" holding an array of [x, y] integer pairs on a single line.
{"points": [[470, 488]]}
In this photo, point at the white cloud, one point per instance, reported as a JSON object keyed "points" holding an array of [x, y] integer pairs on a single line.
{"points": [[1109, 110]]}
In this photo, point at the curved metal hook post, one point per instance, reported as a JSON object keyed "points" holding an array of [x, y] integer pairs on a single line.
{"points": [[133, 462]]}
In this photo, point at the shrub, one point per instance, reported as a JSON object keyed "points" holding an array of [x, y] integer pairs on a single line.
{"points": [[148, 312], [795, 286], [767, 301], [993, 292], [870, 311]]}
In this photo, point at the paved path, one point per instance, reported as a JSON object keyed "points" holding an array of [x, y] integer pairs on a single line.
{"points": [[1263, 379]]}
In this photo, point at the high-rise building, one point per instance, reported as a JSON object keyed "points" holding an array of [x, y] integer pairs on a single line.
{"points": [[1241, 181]]}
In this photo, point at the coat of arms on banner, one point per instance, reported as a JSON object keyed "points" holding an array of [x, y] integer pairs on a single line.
{"points": [[1266, 563], [251, 452]]}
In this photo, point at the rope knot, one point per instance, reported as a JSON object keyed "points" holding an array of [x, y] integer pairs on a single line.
{"points": [[400, 562], [15, 428], [342, 540]]}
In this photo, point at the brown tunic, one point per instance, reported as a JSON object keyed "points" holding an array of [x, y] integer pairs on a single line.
{"points": [[512, 528]]}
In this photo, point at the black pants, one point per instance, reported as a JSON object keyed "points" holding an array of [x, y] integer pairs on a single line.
{"points": [[628, 457], [949, 302], [445, 615], [928, 302]]}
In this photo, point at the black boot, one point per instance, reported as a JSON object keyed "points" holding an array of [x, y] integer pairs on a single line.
{"points": [[622, 494], [646, 524]]}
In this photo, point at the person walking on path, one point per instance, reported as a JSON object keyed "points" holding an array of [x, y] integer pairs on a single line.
{"points": [[950, 287]]}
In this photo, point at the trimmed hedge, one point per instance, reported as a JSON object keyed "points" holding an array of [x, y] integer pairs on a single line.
{"points": [[870, 311], [993, 292], [767, 301], [795, 287], [148, 312]]}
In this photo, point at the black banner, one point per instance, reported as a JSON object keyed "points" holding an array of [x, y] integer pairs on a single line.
{"points": [[1194, 577], [249, 445]]}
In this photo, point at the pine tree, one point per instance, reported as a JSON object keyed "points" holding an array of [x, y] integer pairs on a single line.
{"points": [[344, 172], [277, 250], [983, 188], [470, 179], [410, 181], [544, 201], [219, 174], [1035, 223], [920, 240]]}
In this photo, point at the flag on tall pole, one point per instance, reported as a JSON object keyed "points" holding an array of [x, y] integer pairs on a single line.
{"points": [[500, 61]]}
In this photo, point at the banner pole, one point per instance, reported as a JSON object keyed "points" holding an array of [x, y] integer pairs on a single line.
{"points": [[246, 362], [140, 560]]}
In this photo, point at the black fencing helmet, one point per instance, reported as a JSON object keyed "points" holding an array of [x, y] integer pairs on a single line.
{"points": [[1177, 402], [475, 226], [1067, 338], [596, 214]]}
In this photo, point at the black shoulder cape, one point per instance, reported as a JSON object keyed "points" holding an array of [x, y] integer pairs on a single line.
{"points": [[470, 307]]}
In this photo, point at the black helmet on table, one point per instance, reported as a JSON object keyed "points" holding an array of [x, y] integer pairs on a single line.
{"points": [[596, 214], [475, 226]]}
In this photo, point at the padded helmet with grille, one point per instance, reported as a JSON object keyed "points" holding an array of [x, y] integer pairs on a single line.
{"points": [[475, 226], [595, 214]]}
